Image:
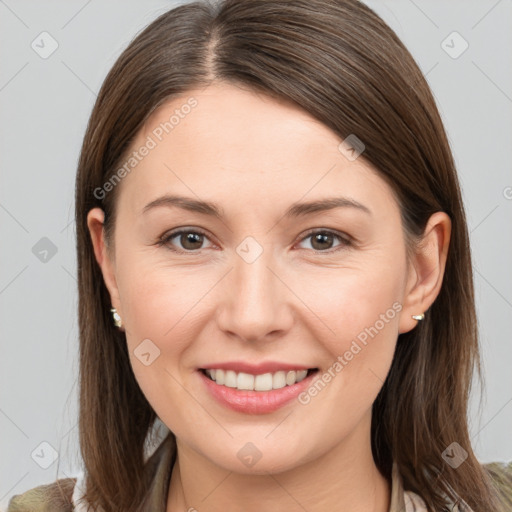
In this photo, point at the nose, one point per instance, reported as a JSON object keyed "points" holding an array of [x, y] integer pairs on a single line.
{"points": [[255, 302]]}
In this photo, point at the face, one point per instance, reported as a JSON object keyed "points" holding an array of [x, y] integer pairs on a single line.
{"points": [[259, 289]]}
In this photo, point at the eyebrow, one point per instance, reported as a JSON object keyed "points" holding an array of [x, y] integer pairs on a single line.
{"points": [[296, 210]]}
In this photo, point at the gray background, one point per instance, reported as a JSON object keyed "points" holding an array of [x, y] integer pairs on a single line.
{"points": [[45, 104]]}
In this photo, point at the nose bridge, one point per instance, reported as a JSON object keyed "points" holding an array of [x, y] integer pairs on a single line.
{"points": [[254, 304]]}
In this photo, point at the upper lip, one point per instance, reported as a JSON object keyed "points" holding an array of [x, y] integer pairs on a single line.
{"points": [[255, 369]]}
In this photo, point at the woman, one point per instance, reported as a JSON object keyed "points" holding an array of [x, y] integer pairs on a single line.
{"points": [[228, 144]]}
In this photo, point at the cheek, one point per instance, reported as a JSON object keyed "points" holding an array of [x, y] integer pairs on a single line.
{"points": [[368, 314], [356, 303], [359, 313], [161, 309], [162, 306], [360, 353], [157, 297], [157, 308]]}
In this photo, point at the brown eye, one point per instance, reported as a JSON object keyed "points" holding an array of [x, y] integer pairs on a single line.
{"points": [[191, 241], [187, 240], [322, 241]]}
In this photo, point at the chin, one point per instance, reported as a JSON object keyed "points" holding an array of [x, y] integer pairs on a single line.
{"points": [[250, 460]]}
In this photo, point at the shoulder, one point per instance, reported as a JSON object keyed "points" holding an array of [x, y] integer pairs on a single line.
{"points": [[413, 502], [501, 475], [54, 497]]}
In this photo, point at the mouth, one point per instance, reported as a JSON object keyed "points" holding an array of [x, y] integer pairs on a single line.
{"points": [[263, 382], [256, 393]]}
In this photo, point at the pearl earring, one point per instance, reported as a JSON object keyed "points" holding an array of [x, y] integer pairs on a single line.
{"points": [[419, 317], [117, 318]]}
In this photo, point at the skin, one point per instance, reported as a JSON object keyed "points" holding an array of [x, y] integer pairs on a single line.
{"points": [[300, 301]]}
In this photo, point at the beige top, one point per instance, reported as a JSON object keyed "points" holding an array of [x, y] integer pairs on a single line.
{"points": [[64, 495]]}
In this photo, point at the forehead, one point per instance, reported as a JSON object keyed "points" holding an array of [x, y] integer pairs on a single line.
{"points": [[229, 142], [244, 121]]}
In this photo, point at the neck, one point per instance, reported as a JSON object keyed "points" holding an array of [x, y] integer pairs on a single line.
{"points": [[344, 478]]}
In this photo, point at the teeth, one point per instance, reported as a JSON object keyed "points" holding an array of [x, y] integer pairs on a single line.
{"points": [[279, 380], [263, 382], [290, 378], [301, 375], [230, 379], [219, 376], [245, 381]]}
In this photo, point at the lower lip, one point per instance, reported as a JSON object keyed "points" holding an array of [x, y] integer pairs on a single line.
{"points": [[255, 402]]}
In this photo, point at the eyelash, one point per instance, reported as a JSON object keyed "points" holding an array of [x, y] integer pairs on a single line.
{"points": [[345, 241]]}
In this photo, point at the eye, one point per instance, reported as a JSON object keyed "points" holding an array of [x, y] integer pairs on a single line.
{"points": [[191, 240], [322, 240]]}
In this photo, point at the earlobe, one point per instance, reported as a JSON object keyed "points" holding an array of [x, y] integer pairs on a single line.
{"points": [[95, 219], [426, 271]]}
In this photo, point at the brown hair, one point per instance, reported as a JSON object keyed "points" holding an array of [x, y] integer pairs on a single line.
{"points": [[343, 65]]}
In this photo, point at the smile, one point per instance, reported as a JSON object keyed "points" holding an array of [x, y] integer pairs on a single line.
{"points": [[261, 382], [260, 393]]}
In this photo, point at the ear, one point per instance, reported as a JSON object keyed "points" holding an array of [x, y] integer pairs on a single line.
{"points": [[103, 255], [426, 270]]}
